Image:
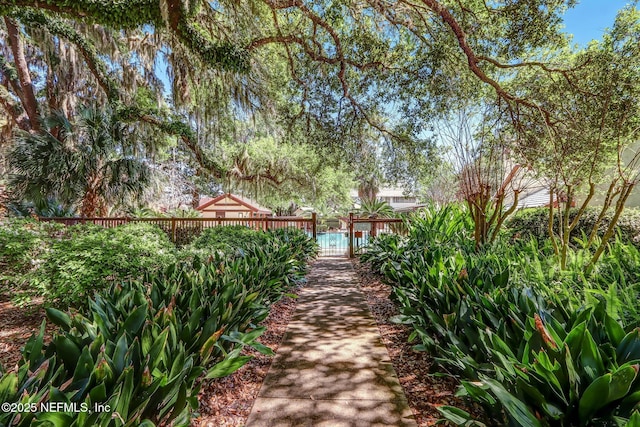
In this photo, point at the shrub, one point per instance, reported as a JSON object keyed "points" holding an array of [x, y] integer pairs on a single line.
{"points": [[144, 345], [534, 222], [22, 245], [227, 237], [535, 345], [89, 258], [238, 237]]}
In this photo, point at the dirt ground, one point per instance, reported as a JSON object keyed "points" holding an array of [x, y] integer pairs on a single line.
{"points": [[17, 324]]}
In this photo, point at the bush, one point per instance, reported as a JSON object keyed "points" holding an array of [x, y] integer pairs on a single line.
{"points": [[144, 345], [227, 237], [534, 345], [89, 258], [238, 237], [534, 222], [22, 245]]}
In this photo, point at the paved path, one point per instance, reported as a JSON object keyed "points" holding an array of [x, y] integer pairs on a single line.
{"points": [[331, 369]]}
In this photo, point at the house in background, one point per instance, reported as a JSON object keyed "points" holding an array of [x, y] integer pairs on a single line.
{"points": [[534, 191], [395, 197], [231, 206]]}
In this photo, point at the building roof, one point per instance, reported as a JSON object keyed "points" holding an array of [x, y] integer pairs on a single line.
{"points": [[410, 207], [392, 192], [248, 203]]}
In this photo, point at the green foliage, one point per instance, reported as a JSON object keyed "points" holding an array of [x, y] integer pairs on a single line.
{"points": [[89, 258], [23, 243], [375, 208], [534, 345], [142, 346], [62, 29], [228, 237], [93, 163], [237, 238], [49, 208], [278, 173], [534, 223], [138, 13]]}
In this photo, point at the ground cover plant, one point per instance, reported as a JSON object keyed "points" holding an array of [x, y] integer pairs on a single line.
{"points": [[66, 265], [22, 243], [141, 347], [90, 258], [533, 344]]}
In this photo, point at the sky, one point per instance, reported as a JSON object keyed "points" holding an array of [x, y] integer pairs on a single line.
{"points": [[589, 19]]}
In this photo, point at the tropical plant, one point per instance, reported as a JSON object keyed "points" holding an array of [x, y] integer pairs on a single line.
{"points": [[92, 164], [374, 208], [141, 348], [49, 208], [534, 344]]}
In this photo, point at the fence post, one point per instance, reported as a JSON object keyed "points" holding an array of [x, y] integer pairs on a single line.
{"points": [[314, 230], [350, 234], [374, 229], [173, 229]]}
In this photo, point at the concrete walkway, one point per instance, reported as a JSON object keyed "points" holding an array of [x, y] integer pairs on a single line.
{"points": [[331, 369]]}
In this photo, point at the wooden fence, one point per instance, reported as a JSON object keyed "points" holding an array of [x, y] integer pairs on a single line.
{"points": [[181, 230], [342, 243]]}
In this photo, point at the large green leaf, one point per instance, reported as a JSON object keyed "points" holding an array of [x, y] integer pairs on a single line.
{"points": [[136, 319], [634, 421], [629, 347], [590, 357], [59, 318], [458, 416], [56, 419], [68, 350], [228, 366], [516, 409], [614, 330], [606, 389]]}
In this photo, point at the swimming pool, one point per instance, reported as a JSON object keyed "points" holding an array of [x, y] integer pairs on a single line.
{"points": [[333, 240], [337, 243]]}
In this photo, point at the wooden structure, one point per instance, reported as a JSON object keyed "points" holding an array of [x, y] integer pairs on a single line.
{"points": [[180, 230], [183, 230], [232, 206]]}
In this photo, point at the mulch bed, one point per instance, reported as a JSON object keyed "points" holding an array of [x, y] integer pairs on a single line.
{"points": [[425, 391], [226, 402], [17, 324]]}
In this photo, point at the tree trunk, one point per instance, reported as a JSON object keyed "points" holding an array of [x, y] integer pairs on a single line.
{"points": [[27, 96], [195, 198]]}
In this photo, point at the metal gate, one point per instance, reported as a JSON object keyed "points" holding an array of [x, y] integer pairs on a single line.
{"points": [[353, 240]]}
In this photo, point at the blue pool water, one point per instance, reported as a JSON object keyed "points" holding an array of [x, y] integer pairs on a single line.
{"points": [[333, 240]]}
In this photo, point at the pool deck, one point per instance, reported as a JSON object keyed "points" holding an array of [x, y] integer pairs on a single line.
{"points": [[331, 368]]}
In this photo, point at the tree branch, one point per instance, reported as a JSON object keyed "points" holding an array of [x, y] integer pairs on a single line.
{"points": [[137, 13], [59, 28], [473, 60]]}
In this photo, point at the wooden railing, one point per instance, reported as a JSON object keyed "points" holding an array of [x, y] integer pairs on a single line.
{"points": [[181, 229]]}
